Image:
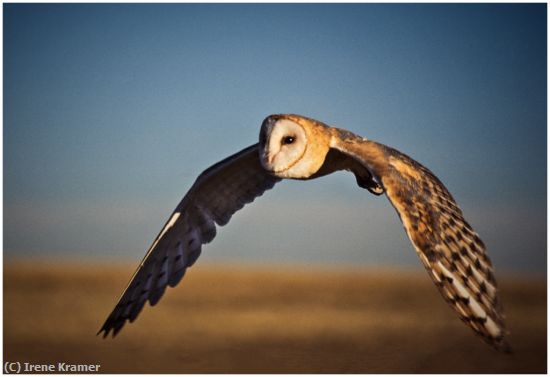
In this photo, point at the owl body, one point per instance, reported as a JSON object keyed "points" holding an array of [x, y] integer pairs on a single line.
{"points": [[300, 148]]}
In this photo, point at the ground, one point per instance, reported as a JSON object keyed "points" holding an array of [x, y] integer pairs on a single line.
{"points": [[259, 319]]}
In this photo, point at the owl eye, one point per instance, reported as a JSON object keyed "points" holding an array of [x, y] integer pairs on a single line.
{"points": [[288, 140]]}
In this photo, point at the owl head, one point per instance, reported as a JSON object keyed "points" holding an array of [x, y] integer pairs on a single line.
{"points": [[293, 146]]}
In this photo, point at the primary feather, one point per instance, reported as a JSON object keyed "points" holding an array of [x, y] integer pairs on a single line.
{"points": [[446, 244], [217, 194]]}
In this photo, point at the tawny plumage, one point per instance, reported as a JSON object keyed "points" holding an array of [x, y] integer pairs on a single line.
{"points": [[297, 147]]}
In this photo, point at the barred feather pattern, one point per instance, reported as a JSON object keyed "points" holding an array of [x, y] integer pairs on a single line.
{"points": [[451, 251], [217, 194]]}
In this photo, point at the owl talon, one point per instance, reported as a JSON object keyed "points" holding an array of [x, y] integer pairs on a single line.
{"points": [[370, 184]]}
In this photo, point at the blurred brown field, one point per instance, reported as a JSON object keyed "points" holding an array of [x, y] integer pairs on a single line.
{"points": [[260, 319]]}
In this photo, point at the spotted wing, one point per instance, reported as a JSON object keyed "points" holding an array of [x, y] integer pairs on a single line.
{"points": [[449, 248], [217, 194]]}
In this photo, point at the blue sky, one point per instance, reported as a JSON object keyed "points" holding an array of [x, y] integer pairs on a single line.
{"points": [[111, 111]]}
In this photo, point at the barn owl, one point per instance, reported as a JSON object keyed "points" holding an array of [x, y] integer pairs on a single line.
{"points": [[296, 147]]}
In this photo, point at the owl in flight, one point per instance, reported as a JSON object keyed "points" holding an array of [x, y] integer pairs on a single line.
{"points": [[296, 147]]}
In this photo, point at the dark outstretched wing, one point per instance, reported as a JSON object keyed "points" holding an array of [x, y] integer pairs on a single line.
{"points": [[449, 248], [217, 194]]}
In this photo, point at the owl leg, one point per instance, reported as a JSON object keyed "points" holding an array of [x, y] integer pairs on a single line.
{"points": [[369, 182]]}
